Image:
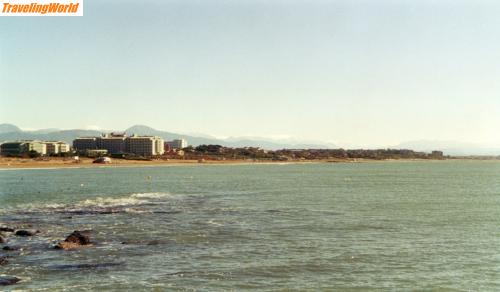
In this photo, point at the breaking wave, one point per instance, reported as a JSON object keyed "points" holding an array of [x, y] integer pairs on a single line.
{"points": [[123, 203]]}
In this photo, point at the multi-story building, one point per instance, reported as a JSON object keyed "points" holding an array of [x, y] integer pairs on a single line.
{"points": [[82, 144], [13, 148], [177, 144], [159, 146], [55, 147], [120, 144], [144, 145], [51, 147], [37, 146], [22, 147], [114, 143], [63, 147]]}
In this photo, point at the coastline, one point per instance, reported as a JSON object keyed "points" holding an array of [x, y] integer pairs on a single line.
{"points": [[57, 163]]}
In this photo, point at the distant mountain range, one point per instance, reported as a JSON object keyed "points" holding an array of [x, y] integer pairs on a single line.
{"points": [[9, 132], [450, 147]]}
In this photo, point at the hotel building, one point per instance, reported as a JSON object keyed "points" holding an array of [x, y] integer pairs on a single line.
{"points": [[177, 144]]}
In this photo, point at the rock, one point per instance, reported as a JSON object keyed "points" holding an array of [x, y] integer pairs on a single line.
{"points": [[79, 237], [6, 229], [28, 232], [67, 245], [10, 248], [74, 240], [2, 239], [3, 261], [8, 280]]}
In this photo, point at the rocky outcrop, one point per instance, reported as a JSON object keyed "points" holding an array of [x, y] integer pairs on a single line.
{"points": [[27, 232], [8, 280], [74, 240]]}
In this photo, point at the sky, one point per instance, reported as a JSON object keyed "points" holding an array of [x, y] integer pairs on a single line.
{"points": [[353, 73]]}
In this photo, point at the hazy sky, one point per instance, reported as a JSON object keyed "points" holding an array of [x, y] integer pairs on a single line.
{"points": [[363, 73]]}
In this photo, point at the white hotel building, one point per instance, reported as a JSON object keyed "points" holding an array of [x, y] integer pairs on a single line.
{"points": [[144, 145]]}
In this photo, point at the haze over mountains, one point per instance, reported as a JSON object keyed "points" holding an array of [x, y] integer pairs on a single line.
{"points": [[9, 132]]}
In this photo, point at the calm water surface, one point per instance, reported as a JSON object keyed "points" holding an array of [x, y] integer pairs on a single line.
{"points": [[430, 226]]}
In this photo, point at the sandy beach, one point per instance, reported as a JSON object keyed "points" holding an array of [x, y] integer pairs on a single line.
{"points": [[84, 162], [57, 162]]}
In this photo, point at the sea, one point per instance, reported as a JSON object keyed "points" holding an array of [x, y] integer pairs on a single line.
{"points": [[377, 226]]}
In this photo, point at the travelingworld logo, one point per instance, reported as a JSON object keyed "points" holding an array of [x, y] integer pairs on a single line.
{"points": [[41, 8]]}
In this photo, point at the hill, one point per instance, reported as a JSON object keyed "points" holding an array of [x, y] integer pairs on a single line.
{"points": [[8, 128]]}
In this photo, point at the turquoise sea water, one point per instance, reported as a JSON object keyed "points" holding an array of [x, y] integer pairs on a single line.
{"points": [[398, 226]]}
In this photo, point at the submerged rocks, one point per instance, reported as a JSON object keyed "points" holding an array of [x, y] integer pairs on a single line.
{"points": [[79, 237], [74, 240], [8, 280], [6, 229], [3, 261], [11, 248], [27, 232]]}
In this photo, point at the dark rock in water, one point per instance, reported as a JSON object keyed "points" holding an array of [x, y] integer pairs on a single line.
{"points": [[29, 232], [74, 240], [3, 261], [80, 237], [8, 280], [6, 229], [10, 248], [2, 239]]}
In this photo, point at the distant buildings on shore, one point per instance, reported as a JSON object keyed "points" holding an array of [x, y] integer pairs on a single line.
{"points": [[176, 144], [26, 147], [106, 144], [120, 143]]}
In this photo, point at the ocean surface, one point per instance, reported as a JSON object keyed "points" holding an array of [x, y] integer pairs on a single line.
{"points": [[386, 226]]}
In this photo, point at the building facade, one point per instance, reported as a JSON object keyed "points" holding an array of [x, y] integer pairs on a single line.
{"points": [[13, 148], [63, 147], [23, 147], [114, 143], [56, 147], [82, 144], [177, 144], [121, 144], [144, 145]]}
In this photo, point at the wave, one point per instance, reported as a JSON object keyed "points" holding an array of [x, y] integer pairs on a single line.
{"points": [[117, 203]]}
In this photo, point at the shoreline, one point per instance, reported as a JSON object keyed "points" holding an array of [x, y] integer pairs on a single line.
{"points": [[58, 163]]}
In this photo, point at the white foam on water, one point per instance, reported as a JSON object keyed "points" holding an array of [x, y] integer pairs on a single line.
{"points": [[110, 202], [211, 222], [151, 195], [133, 199], [97, 202]]}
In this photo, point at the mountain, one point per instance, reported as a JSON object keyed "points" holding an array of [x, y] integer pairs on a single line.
{"points": [[449, 147], [45, 131], [8, 128], [229, 142], [12, 132], [192, 140], [59, 135]]}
